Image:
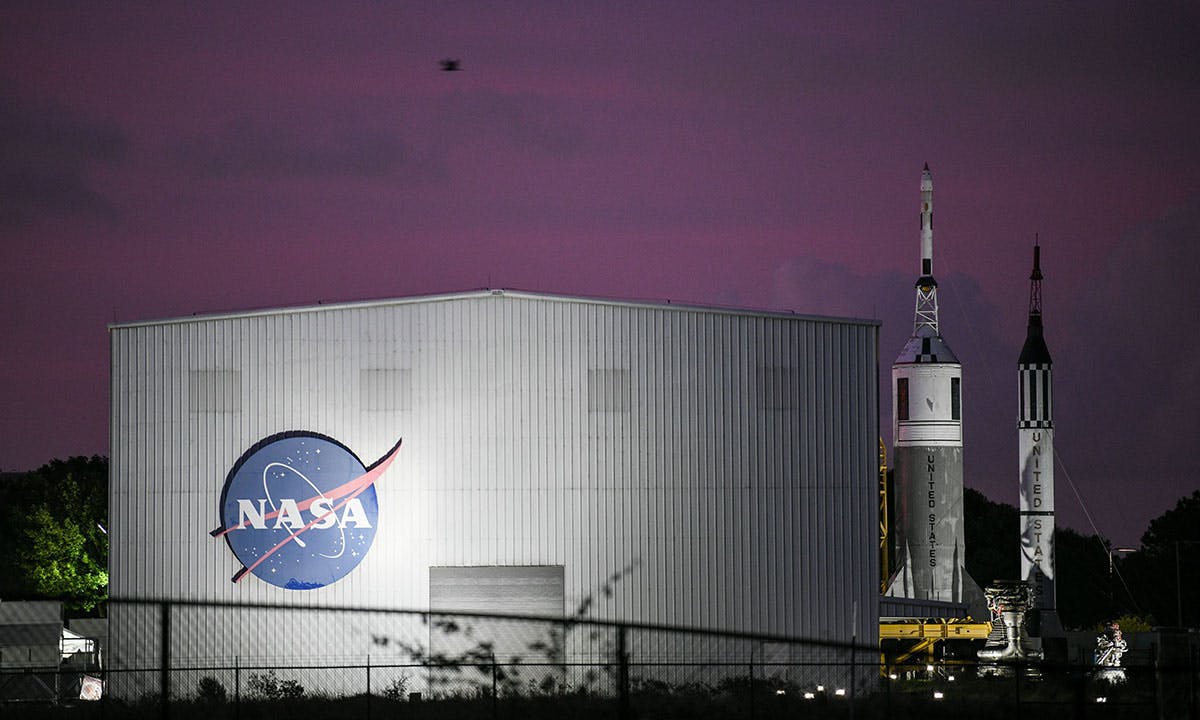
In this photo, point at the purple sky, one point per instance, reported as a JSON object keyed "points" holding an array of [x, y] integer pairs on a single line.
{"points": [[193, 157]]}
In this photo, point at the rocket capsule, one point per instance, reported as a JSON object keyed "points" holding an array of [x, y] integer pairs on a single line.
{"points": [[927, 228]]}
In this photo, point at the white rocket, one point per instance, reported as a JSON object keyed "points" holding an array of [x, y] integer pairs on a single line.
{"points": [[1035, 427], [928, 444]]}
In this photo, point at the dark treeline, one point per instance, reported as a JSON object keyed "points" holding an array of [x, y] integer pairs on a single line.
{"points": [[1095, 584]]}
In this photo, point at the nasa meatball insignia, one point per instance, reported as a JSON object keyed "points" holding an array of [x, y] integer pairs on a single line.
{"points": [[299, 510]]}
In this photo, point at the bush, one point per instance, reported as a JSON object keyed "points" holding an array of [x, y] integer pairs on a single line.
{"points": [[266, 686], [397, 689], [211, 690]]}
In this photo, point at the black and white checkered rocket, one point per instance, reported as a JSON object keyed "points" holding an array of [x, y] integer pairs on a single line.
{"points": [[1035, 427]]}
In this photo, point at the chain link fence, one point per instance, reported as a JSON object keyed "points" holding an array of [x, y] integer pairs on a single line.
{"points": [[210, 661]]}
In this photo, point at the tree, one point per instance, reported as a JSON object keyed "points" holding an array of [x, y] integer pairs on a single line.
{"points": [[990, 532], [1179, 524], [57, 515], [1162, 574], [1083, 586]]}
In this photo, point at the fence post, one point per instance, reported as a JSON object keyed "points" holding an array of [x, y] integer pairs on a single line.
{"points": [[751, 669], [368, 686], [237, 687], [887, 684], [1017, 677], [164, 661], [622, 674], [1191, 683], [853, 653], [105, 677], [495, 679], [853, 670]]}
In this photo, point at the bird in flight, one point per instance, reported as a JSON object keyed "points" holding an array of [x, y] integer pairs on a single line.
{"points": [[451, 65]]}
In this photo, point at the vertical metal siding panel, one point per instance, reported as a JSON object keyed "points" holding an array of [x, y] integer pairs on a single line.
{"points": [[703, 471], [757, 485], [840, 611], [779, 577], [870, 425], [798, 563], [735, 439], [680, 408], [727, 569], [792, 561], [803, 495], [834, 509], [678, 489], [836, 548], [846, 490], [776, 573], [747, 465], [663, 524], [859, 478], [854, 495], [867, 464], [183, 513], [149, 462], [707, 442], [822, 491], [817, 556]]}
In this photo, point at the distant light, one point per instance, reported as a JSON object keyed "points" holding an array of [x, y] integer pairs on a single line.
{"points": [[101, 528], [893, 676], [938, 695], [820, 688], [809, 696], [950, 678], [1102, 699], [781, 691], [840, 692], [928, 668]]}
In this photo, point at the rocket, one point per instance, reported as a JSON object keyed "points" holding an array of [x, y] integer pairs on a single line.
{"points": [[927, 435], [1035, 428]]}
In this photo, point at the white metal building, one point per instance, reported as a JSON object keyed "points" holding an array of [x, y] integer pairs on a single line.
{"points": [[726, 458]]}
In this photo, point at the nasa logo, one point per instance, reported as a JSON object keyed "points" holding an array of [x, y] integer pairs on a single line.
{"points": [[299, 510]]}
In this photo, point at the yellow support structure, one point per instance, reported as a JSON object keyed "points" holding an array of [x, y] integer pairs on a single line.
{"points": [[934, 629], [924, 635]]}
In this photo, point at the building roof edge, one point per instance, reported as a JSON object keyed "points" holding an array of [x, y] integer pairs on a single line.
{"points": [[491, 292]]}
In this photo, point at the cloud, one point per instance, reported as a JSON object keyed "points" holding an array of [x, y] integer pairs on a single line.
{"points": [[527, 120], [248, 147], [969, 322], [48, 153]]}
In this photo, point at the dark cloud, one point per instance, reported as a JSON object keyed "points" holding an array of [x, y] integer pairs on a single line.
{"points": [[528, 120], [1114, 44], [276, 150], [48, 152], [969, 322]]}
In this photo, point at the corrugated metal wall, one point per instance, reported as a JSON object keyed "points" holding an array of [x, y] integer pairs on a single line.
{"points": [[726, 459]]}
